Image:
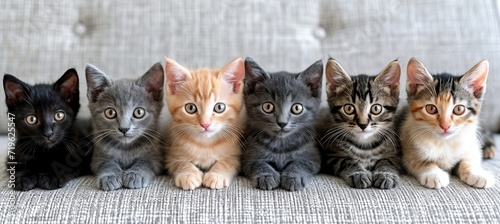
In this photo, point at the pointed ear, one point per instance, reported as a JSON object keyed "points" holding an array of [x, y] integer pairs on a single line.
{"points": [[336, 78], [254, 75], [418, 78], [234, 73], [15, 90], [68, 86], [475, 79], [152, 81], [175, 74], [389, 78], [313, 77], [97, 82]]}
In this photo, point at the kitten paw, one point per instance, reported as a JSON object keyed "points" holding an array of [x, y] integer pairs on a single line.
{"points": [[134, 180], [293, 183], [268, 182], [26, 183], [216, 180], [189, 181], [111, 182], [49, 182], [489, 151], [435, 179], [385, 180], [360, 180], [478, 179]]}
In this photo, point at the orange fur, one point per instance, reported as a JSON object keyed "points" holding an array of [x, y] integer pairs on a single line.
{"points": [[192, 149]]}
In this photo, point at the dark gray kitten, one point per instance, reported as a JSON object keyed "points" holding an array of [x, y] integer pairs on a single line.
{"points": [[127, 145], [361, 144], [280, 138]]}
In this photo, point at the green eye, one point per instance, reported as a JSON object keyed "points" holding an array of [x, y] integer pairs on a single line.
{"points": [[376, 109], [31, 119], [190, 108], [139, 112], [297, 108], [268, 107], [219, 107], [59, 116], [349, 109], [110, 113]]}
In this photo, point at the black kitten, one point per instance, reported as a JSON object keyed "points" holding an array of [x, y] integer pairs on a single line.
{"points": [[49, 149]]}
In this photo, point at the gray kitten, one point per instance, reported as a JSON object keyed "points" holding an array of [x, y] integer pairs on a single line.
{"points": [[127, 150], [361, 145], [280, 138]]}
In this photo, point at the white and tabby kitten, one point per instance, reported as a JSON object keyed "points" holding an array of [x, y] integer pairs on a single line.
{"points": [[361, 145]]}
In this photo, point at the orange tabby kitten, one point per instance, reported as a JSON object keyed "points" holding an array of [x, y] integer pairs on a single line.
{"points": [[207, 119], [440, 132]]}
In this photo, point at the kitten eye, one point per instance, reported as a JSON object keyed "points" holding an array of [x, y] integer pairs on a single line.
{"points": [[376, 109], [459, 110], [297, 108], [431, 109], [219, 107], [31, 119], [268, 107], [110, 113], [349, 109], [59, 116], [139, 112], [190, 108]]}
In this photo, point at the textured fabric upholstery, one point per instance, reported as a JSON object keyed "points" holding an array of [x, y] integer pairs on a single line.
{"points": [[40, 40]]}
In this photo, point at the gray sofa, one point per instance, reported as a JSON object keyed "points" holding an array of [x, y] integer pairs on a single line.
{"points": [[39, 40]]}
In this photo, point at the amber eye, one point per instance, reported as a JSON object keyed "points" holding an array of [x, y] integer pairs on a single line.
{"points": [[110, 113], [190, 108], [31, 119], [219, 108], [268, 107], [459, 110], [376, 109], [349, 109], [59, 116], [139, 112], [431, 109], [297, 108]]}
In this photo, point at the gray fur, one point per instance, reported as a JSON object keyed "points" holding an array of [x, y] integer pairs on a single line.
{"points": [[130, 162], [376, 161], [273, 158]]}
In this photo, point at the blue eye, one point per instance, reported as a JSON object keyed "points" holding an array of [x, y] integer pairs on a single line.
{"points": [[219, 107], [190, 108]]}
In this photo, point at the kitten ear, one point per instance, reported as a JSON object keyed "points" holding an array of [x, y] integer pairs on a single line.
{"points": [[68, 86], [15, 90], [153, 82], [175, 74], [418, 78], [234, 73], [313, 77], [474, 80], [389, 78], [97, 81], [336, 77], [254, 75]]}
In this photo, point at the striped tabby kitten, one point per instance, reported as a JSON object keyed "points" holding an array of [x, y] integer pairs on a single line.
{"points": [[440, 132], [361, 145], [207, 118]]}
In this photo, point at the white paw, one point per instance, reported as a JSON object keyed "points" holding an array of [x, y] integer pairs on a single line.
{"points": [[435, 178], [216, 180], [478, 179]]}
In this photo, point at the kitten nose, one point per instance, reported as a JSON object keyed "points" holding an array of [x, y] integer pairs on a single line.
{"points": [[123, 130], [282, 124], [48, 135], [205, 126], [445, 127], [363, 126]]}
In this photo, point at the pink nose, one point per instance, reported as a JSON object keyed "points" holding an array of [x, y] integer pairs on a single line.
{"points": [[205, 126], [445, 127]]}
